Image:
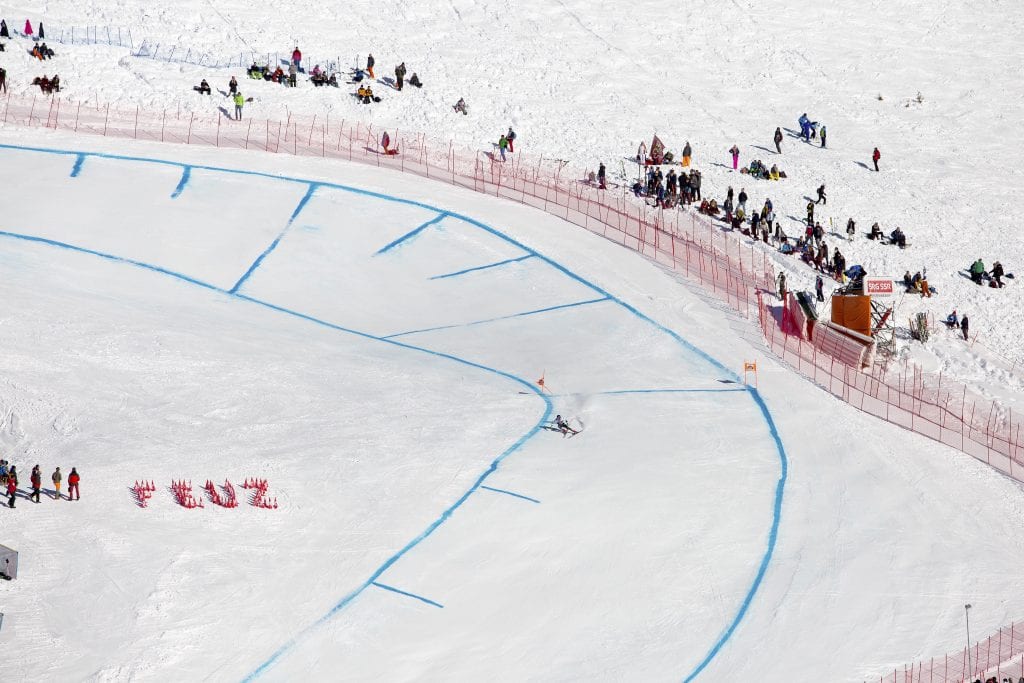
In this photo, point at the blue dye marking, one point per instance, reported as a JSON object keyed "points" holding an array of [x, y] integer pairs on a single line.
{"points": [[411, 595], [510, 493], [412, 233], [504, 317], [77, 168], [773, 537], [489, 265], [273, 245], [777, 511], [186, 175], [665, 391]]}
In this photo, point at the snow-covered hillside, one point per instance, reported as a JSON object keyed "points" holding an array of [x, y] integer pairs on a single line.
{"points": [[587, 81]]}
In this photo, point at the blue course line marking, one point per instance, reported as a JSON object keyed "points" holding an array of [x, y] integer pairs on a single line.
{"points": [[411, 595], [504, 317], [510, 493], [77, 168], [412, 233], [663, 391], [718, 366], [773, 536], [186, 175], [273, 245], [489, 265]]}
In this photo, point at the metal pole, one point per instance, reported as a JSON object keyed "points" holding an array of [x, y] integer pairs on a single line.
{"points": [[967, 616]]}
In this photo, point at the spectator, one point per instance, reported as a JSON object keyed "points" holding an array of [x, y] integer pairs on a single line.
{"points": [[964, 326], [370, 61], [56, 478], [73, 480], [782, 286], [36, 480], [511, 137], [460, 106], [415, 81], [293, 70], [4, 33], [735, 152], [601, 183], [876, 232], [875, 156], [232, 86], [203, 88], [502, 146], [399, 76], [239, 100], [998, 273], [297, 58], [687, 153], [28, 32], [12, 491], [3, 79], [778, 140]]}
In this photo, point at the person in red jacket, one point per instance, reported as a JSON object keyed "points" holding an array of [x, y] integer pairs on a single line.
{"points": [[12, 491], [875, 156], [36, 480], [297, 58], [73, 479], [28, 32]]}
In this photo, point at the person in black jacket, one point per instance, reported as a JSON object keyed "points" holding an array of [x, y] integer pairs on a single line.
{"points": [[997, 273], [399, 76], [369, 64], [964, 326], [778, 140], [4, 33], [601, 183]]}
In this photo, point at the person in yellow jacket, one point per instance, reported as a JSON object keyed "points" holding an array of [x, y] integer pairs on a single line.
{"points": [[239, 102]]}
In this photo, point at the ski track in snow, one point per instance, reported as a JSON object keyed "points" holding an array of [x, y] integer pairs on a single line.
{"points": [[234, 292]]}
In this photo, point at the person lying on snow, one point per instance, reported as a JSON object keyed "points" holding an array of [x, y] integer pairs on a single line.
{"points": [[564, 427]]}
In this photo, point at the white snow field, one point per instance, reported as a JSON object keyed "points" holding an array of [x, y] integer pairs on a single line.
{"points": [[588, 80], [370, 343]]}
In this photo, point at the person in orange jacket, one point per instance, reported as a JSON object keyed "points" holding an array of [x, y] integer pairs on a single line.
{"points": [[73, 480]]}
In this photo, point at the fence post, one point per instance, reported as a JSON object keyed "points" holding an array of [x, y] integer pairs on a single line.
{"points": [[191, 118], [247, 132], [216, 142], [106, 118], [163, 123], [136, 122], [32, 111]]}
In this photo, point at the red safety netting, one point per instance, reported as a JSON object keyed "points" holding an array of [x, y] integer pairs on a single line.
{"points": [[736, 272], [1000, 655], [739, 274]]}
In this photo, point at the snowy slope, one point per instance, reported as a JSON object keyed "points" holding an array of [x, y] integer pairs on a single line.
{"points": [[651, 528]]}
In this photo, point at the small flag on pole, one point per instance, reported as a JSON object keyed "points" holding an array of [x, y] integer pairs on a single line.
{"points": [[750, 366]]}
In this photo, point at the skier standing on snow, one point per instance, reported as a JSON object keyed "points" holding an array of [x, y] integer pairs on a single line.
{"points": [[36, 479], [778, 140], [73, 480], [875, 156], [735, 152], [56, 478]]}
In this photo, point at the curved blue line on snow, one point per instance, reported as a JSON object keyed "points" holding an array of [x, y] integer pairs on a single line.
{"points": [[77, 168], [186, 175], [780, 487]]}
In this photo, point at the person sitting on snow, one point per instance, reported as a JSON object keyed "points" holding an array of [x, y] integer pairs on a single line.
{"points": [[415, 81], [908, 281], [46, 52], [876, 232], [952, 320], [898, 238], [203, 88]]}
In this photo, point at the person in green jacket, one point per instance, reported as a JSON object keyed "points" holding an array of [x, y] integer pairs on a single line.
{"points": [[502, 146], [239, 101], [977, 271]]}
